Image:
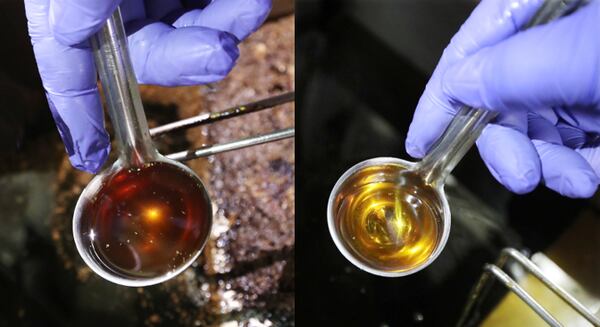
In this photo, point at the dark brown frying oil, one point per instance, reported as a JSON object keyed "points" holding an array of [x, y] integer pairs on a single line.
{"points": [[146, 222], [388, 218]]}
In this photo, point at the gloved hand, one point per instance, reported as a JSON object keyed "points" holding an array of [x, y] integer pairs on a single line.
{"points": [[171, 42], [545, 84]]}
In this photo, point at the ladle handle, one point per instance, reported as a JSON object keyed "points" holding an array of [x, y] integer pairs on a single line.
{"points": [[120, 88], [468, 123]]}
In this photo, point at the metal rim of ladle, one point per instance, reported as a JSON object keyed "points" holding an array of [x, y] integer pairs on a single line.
{"points": [[333, 231]]}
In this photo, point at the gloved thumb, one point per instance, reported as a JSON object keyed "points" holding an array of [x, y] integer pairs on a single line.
{"points": [[74, 21], [545, 66]]}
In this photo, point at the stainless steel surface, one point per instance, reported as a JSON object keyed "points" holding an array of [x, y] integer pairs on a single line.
{"points": [[452, 146], [120, 88], [482, 288], [552, 9], [358, 261], [514, 287], [537, 272]]}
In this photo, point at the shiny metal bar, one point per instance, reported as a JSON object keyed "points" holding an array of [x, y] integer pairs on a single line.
{"points": [[230, 146], [552, 9], [535, 271], [476, 295], [236, 111], [483, 285], [120, 88], [514, 287]]}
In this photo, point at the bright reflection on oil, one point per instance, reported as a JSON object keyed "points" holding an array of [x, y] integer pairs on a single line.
{"points": [[388, 219], [152, 214]]}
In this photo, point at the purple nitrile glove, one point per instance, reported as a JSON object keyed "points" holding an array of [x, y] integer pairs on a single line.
{"points": [[544, 82], [171, 42]]}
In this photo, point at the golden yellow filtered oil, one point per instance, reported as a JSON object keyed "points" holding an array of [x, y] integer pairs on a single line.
{"points": [[387, 217]]}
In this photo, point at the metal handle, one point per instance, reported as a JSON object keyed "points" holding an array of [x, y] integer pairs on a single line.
{"points": [[121, 91]]}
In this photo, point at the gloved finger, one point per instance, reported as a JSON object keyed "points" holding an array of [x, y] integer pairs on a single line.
{"points": [[571, 136], [238, 17], [592, 156], [557, 132], [565, 171], [74, 21], [511, 158], [69, 78], [80, 123], [585, 118], [546, 66], [490, 22], [540, 128], [516, 120], [163, 55], [431, 118], [548, 113]]}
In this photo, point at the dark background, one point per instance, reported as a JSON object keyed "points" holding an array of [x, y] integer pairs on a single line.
{"points": [[361, 68]]}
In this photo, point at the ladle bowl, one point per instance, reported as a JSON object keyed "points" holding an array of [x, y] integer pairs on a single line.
{"points": [[418, 244], [140, 226]]}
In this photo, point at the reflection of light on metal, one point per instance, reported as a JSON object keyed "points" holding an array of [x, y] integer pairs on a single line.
{"points": [[496, 272], [92, 235], [152, 214]]}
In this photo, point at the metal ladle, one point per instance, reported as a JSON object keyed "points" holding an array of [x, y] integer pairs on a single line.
{"points": [[136, 151], [432, 170]]}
